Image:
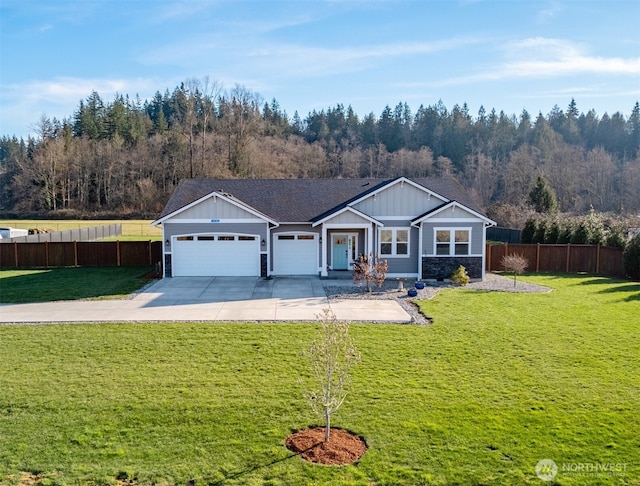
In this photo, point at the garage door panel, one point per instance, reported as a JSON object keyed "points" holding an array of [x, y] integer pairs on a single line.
{"points": [[295, 254], [216, 255]]}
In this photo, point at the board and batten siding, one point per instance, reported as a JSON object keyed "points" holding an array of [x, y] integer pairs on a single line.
{"points": [[214, 207], [399, 200], [347, 217], [428, 238]]}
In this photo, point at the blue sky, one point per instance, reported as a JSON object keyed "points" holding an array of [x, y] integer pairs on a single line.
{"points": [[311, 55]]}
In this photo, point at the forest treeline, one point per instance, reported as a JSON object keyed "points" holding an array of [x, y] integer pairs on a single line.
{"points": [[126, 156]]}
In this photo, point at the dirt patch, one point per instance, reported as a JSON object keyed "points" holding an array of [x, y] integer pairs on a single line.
{"points": [[344, 447]]}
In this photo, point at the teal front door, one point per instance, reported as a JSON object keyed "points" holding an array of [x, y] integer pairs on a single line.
{"points": [[340, 252]]}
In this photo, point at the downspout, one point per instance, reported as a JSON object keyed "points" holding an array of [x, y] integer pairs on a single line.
{"points": [[420, 250]]}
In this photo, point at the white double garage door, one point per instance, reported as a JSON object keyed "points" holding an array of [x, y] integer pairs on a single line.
{"points": [[239, 255]]}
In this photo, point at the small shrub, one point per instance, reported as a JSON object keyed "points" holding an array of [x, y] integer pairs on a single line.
{"points": [[514, 263], [460, 277]]}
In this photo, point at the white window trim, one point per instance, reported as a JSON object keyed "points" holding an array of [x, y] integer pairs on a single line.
{"points": [[394, 242], [452, 243]]}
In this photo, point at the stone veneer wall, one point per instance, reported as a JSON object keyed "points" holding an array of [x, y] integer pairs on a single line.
{"points": [[441, 268], [263, 265]]}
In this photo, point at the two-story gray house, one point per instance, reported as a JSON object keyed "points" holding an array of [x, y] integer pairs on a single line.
{"points": [[425, 228]]}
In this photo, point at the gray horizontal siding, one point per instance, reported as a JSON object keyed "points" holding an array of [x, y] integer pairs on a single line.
{"points": [[477, 229]]}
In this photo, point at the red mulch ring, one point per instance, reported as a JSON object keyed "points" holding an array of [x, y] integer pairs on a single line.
{"points": [[344, 447]]}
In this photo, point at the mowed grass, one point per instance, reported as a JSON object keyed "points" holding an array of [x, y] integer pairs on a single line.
{"points": [[137, 229], [70, 283], [498, 382]]}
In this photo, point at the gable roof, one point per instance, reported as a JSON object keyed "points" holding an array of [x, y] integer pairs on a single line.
{"points": [[451, 204], [223, 196], [300, 200]]}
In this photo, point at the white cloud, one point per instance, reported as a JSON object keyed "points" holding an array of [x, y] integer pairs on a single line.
{"points": [[292, 60], [547, 14], [539, 58]]}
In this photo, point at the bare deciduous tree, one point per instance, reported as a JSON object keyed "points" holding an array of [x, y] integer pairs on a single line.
{"points": [[332, 355], [514, 263], [370, 269]]}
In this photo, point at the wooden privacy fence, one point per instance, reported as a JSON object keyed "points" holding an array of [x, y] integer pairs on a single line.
{"points": [[80, 253], [594, 259]]}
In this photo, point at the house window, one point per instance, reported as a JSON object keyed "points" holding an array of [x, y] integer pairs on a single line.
{"points": [[453, 242], [246, 238], [394, 242], [226, 238]]}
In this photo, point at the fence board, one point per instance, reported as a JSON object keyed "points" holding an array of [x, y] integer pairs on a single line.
{"points": [[611, 260], [135, 251], [61, 254], [7, 256], [33, 255], [582, 259], [553, 258]]}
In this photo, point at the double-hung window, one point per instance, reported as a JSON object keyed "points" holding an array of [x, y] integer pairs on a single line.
{"points": [[394, 242], [453, 241]]}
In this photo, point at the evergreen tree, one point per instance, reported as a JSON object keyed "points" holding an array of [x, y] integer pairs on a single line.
{"points": [[528, 231], [632, 258], [542, 197]]}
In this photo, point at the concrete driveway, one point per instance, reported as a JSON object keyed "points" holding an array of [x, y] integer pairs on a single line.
{"points": [[214, 299]]}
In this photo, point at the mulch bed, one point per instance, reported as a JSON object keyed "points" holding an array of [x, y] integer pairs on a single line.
{"points": [[344, 447]]}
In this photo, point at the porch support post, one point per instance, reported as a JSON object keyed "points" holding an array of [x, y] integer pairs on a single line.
{"points": [[323, 256], [369, 248]]}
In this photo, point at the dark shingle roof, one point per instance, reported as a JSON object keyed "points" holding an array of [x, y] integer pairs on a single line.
{"points": [[300, 200]]}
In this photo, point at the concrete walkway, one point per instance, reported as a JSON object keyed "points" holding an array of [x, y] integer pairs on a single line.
{"points": [[213, 299]]}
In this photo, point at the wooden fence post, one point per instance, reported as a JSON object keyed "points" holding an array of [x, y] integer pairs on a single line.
{"points": [[118, 253], [568, 256], [46, 253], [149, 250], [15, 252], [538, 258], [75, 253], [598, 259]]}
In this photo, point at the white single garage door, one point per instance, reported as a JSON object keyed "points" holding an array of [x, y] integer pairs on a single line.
{"points": [[295, 254], [217, 255]]}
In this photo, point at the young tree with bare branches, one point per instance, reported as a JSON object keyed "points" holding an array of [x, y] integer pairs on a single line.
{"points": [[332, 356], [514, 263], [370, 269]]}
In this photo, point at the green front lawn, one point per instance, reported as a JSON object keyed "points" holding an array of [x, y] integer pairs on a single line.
{"points": [[497, 383], [45, 285]]}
